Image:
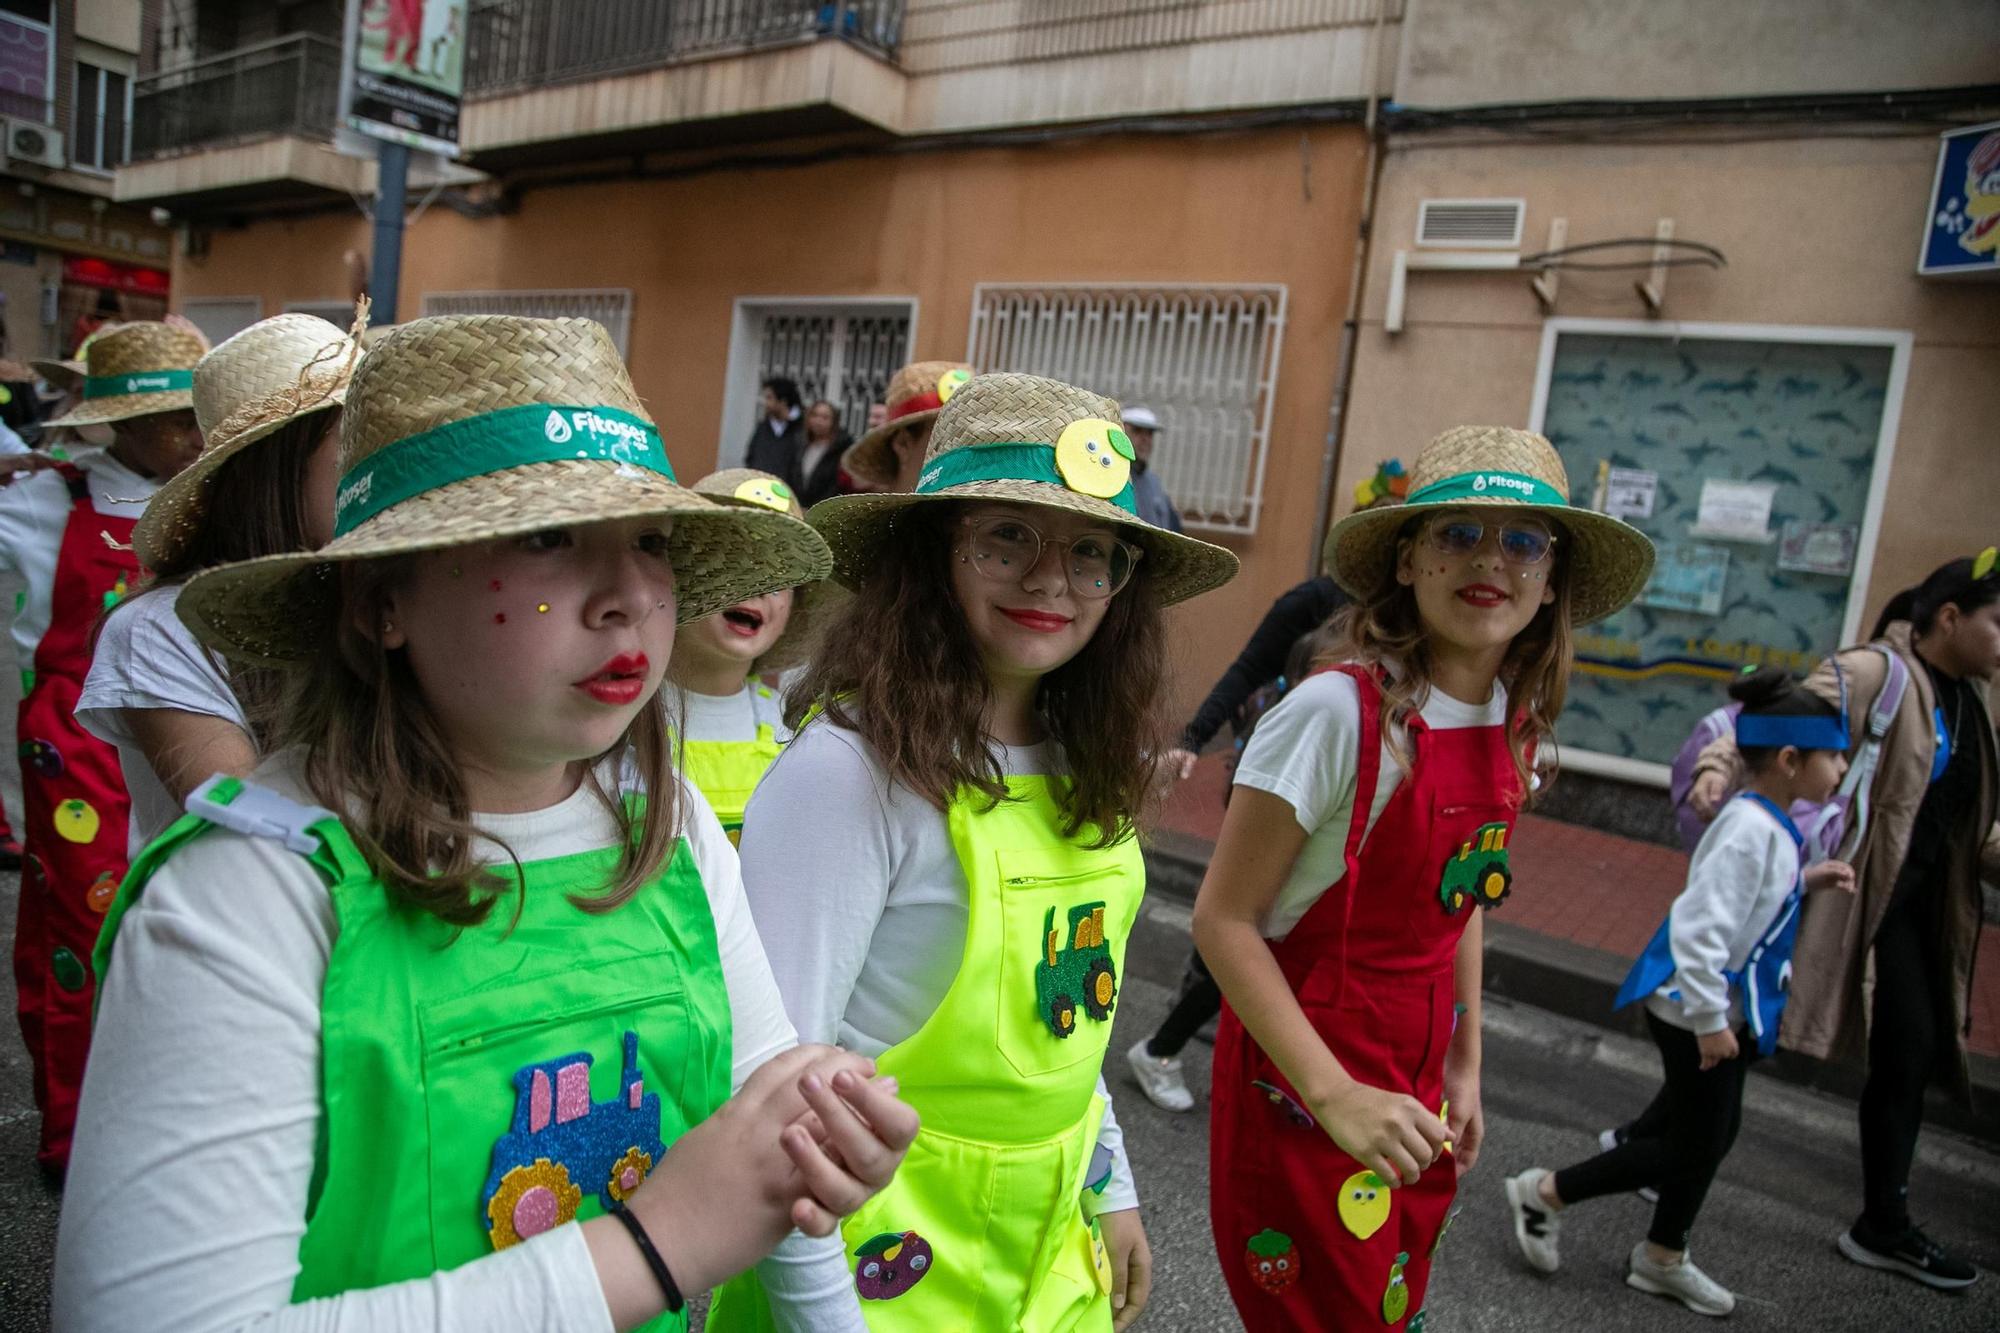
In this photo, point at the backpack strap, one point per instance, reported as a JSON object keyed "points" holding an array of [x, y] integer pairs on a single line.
{"points": [[1847, 812]]}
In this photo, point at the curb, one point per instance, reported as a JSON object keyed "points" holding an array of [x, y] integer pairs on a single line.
{"points": [[1580, 982]]}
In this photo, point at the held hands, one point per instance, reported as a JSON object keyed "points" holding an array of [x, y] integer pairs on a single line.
{"points": [[1131, 1256], [1835, 875], [1708, 793], [1393, 1135], [1717, 1047]]}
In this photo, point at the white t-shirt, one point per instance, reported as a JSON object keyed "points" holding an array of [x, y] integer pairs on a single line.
{"points": [[1303, 751], [733, 717], [202, 1101], [1740, 874], [34, 510], [866, 967], [147, 658]]}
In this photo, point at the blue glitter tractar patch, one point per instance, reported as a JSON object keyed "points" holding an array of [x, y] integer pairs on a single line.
{"points": [[562, 1144]]}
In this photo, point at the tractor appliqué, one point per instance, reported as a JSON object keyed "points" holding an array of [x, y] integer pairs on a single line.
{"points": [[561, 1142], [1082, 973], [1478, 871]]}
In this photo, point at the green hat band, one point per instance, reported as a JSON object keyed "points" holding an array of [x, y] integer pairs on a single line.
{"points": [[139, 381], [493, 442], [1514, 487], [1007, 462]]}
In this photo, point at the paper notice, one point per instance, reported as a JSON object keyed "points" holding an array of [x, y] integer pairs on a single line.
{"points": [[1629, 492], [1688, 576], [1818, 548], [1735, 511]]}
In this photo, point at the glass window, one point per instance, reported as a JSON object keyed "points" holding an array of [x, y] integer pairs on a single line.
{"points": [[89, 99]]}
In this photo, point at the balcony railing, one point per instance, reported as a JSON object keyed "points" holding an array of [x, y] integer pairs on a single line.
{"points": [[517, 44], [290, 85]]}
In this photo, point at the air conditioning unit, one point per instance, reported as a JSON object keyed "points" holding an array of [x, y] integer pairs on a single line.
{"points": [[1471, 224], [32, 141]]}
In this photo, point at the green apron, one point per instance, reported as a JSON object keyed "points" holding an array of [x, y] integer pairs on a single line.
{"points": [[487, 1084], [982, 1227], [726, 772]]}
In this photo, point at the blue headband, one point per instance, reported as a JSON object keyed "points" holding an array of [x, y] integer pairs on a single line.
{"points": [[1814, 731]]}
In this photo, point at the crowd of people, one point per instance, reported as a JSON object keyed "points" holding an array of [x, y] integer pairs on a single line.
{"points": [[406, 749]]}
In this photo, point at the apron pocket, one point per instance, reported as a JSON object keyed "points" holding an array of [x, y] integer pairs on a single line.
{"points": [[1062, 937]]}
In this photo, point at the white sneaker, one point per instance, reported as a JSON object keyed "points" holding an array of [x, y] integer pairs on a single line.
{"points": [[1683, 1281], [1536, 1226], [1606, 1141], [1159, 1079]]}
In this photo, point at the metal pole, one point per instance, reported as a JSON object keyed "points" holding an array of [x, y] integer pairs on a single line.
{"points": [[392, 166]]}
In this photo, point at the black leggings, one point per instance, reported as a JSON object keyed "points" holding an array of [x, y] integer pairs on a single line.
{"points": [[1680, 1140], [1201, 1000], [1910, 1031]]}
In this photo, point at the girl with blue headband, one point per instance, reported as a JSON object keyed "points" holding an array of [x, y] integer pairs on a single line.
{"points": [[1714, 981]]}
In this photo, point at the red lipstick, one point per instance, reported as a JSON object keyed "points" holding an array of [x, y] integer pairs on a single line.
{"points": [[1044, 622], [618, 682], [1482, 595]]}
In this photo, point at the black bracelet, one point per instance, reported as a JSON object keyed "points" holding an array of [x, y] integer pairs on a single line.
{"points": [[675, 1302]]}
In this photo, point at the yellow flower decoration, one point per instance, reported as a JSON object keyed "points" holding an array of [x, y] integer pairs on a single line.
{"points": [[1094, 457], [1982, 564], [766, 492], [953, 381]]}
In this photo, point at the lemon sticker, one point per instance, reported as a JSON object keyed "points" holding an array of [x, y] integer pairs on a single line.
{"points": [[1982, 565], [953, 381], [1090, 460], [766, 492], [76, 821], [1363, 1203]]}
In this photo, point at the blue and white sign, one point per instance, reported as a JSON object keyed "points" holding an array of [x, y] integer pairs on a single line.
{"points": [[1962, 234]]}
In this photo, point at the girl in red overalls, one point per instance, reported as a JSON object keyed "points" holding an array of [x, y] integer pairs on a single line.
{"points": [[1371, 815]]}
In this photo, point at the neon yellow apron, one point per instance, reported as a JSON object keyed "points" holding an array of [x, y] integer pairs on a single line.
{"points": [[726, 772], [982, 1228]]}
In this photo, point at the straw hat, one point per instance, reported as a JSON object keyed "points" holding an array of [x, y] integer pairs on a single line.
{"points": [[1472, 467], [264, 378], [137, 370], [467, 428], [811, 602], [916, 392], [1033, 441], [63, 376]]}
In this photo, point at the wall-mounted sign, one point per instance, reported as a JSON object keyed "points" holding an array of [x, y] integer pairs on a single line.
{"points": [[1818, 548], [406, 71], [1962, 231]]}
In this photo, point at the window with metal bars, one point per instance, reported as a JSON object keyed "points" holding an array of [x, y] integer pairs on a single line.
{"points": [[1204, 358], [843, 356]]}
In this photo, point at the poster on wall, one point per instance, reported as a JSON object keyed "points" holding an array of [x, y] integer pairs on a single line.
{"points": [[407, 70], [1688, 576], [1818, 548], [1962, 226], [1735, 511], [1629, 492]]}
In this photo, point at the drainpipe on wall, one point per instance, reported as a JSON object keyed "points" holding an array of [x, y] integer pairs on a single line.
{"points": [[1350, 327]]}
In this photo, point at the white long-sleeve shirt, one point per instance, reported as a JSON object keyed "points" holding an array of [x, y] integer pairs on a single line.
{"points": [[33, 513], [1739, 877], [194, 1147], [862, 904]]}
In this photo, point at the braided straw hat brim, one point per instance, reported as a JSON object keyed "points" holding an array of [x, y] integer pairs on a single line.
{"points": [[245, 390], [872, 458], [135, 349], [1608, 560], [64, 375], [814, 604]]}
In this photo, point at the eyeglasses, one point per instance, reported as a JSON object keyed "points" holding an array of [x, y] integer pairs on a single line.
{"points": [[1521, 542], [1003, 547]]}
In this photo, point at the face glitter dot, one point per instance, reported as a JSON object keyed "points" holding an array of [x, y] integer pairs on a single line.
{"points": [[495, 585], [500, 619], [542, 607]]}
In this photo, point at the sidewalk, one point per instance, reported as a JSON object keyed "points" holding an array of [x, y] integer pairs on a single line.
{"points": [[1584, 905]]}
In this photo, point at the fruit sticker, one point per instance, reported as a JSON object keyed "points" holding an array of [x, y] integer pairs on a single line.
{"points": [[1396, 1299], [42, 757], [1285, 1102], [1417, 1322], [1273, 1260], [1444, 1118], [1094, 457], [98, 897], [68, 970], [1100, 1258], [768, 492], [1443, 1227], [76, 820], [118, 591], [890, 1264], [951, 382], [1363, 1203]]}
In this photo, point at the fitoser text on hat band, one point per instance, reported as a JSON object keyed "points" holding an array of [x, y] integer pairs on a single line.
{"points": [[1007, 462], [494, 442], [1515, 487], [137, 381]]}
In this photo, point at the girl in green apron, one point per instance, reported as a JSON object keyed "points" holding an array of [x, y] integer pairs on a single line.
{"points": [[434, 1020], [731, 722], [942, 863]]}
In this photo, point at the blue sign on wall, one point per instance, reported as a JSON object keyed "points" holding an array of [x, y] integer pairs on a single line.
{"points": [[1962, 234]]}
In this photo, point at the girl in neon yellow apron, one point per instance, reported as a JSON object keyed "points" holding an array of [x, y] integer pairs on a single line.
{"points": [[941, 863], [731, 723], [434, 1020]]}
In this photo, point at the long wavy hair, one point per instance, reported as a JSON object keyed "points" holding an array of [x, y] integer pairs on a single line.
{"points": [[900, 668], [1384, 629], [374, 750]]}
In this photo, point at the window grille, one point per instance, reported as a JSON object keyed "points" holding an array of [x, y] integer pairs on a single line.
{"points": [[1205, 359], [611, 307], [844, 357]]}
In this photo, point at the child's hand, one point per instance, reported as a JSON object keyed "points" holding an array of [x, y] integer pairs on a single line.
{"points": [[1466, 1119], [1717, 1047], [1392, 1135], [1707, 793], [1836, 875], [1131, 1256]]}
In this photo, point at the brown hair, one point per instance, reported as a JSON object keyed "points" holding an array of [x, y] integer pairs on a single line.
{"points": [[375, 752], [255, 506], [1385, 627], [900, 668]]}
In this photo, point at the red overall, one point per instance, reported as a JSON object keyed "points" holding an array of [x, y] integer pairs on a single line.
{"points": [[1371, 963], [74, 820]]}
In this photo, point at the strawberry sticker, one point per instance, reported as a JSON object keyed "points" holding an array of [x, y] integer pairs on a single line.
{"points": [[1273, 1260]]}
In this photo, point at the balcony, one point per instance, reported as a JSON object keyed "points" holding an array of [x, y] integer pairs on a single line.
{"points": [[287, 86]]}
